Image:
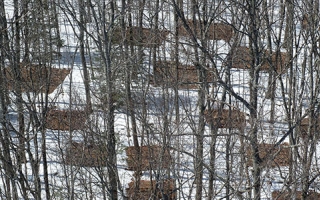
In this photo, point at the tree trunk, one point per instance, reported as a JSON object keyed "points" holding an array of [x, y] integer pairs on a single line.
{"points": [[253, 87], [10, 190], [86, 79], [111, 138]]}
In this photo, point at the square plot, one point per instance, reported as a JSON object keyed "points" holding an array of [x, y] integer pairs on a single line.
{"points": [[215, 31], [182, 76], [271, 157], [35, 78], [151, 157], [241, 57], [66, 120], [283, 195], [152, 190], [226, 118], [140, 36], [85, 155]]}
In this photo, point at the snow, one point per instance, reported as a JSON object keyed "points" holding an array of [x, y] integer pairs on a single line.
{"points": [[71, 93]]}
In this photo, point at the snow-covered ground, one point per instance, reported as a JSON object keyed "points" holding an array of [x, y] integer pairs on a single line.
{"points": [[89, 182]]}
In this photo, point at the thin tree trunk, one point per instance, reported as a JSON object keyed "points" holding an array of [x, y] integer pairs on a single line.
{"points": [[86, 77], [111, 138], [131, 72], [201, 106], [272, 80], [17, 75], [176, 92], [4, 136], [254, 79]]}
